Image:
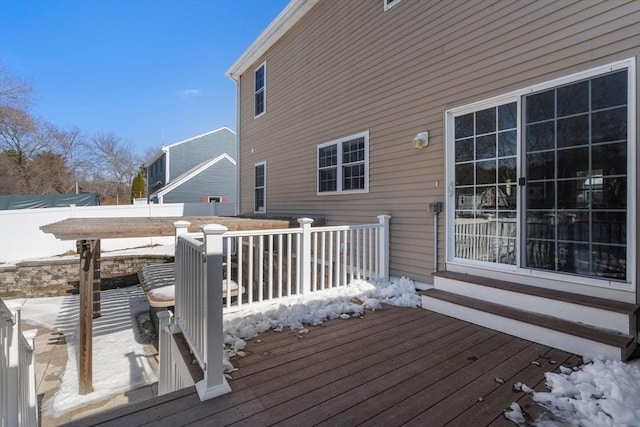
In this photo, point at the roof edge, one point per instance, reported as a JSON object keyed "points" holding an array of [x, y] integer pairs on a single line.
{"points": [[199, 136], [196, 170], [165, 148], [289, 16]]}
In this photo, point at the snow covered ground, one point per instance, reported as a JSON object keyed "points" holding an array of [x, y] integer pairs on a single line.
{"points": [[599, 393], [120, 362]]}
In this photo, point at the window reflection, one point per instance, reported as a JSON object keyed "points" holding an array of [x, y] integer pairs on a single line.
{"points": [[486, 191], [576, 188]]}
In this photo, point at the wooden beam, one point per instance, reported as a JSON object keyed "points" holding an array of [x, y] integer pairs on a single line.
{"points": [[85, 338], [110, 228]]}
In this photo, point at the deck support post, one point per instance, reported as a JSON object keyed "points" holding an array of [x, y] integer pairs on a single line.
{"points": [[305, 256], [89, 260], [383, 264], [214, 382]]}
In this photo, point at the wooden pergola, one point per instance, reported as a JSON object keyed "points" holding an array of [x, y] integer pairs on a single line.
{"points": [[88, 232]]}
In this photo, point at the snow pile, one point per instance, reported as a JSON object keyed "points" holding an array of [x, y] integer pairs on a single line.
{"points": [[165, 293], [599, 393], [120, 362], [313, 309], [515, 414]]}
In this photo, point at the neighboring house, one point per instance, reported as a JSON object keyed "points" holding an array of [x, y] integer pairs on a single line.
{"points": [[520, 116], [198, 169]]}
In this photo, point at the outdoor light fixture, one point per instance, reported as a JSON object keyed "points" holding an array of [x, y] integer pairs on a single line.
{"points": [[421, 140]]}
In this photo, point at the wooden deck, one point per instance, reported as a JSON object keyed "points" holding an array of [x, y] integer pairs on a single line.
{"points": [[393, 366]]}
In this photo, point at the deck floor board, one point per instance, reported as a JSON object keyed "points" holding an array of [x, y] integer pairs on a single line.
{"points": [[391, 366]]}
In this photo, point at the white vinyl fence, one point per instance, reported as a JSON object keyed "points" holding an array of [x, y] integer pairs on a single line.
{"points": [[21, 237], [239, 268], [18, 401]]}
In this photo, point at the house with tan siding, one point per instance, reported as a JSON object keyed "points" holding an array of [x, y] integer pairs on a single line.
{"points": [[499, 135]]}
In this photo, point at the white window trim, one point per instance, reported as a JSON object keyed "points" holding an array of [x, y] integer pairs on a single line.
{"points": [[338, 142], [264, 90], [630, 65], [388, 5], [264, 187]]}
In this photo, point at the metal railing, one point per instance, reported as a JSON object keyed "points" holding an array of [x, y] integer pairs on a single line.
{"points": [[18, 400]]}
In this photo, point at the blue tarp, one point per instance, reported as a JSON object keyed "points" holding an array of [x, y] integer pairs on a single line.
{"points": [[28, 201]]}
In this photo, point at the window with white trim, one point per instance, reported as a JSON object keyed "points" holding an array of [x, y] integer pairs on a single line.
{"points": [[343, 165], [543, 178], [260, 187], [260, 90], [389, 3]]}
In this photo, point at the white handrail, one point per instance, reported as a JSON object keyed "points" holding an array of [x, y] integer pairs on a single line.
{"points": [[18, 401], [198, 287], [230, 269]]}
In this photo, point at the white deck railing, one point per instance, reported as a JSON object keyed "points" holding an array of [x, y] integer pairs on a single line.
{"points": [[233, 269], [484, 239], [18, 401], [264, 265]]}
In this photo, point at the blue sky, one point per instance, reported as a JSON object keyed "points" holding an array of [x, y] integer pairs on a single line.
{"points": [[150, 71]]}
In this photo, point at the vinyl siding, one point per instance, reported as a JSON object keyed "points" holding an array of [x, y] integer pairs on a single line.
{"points": [[349, 66], [156, 174], [186, 155], [217, 180]]}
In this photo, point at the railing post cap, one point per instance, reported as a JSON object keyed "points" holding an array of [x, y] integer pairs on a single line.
{"points": [[164, 314], [181, 224], [213, 229], [305, 220], [384, 217]]}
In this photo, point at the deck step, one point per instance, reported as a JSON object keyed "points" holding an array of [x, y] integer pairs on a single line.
{"points": [[601, 313], [548, 330]]}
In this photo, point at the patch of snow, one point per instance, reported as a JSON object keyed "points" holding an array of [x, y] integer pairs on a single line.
{"points": [[600, 393], [168, 250], [294, 312], [165, 293], [120, 362], [515, 414]]}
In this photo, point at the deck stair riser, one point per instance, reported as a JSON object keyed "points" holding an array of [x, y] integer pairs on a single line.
{"points": [[563, 309], [542, 335], [580, 324]]}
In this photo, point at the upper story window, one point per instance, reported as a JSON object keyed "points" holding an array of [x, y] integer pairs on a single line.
{"points": [[260, 91], [260, 187], [343, 165], [389, 3]]}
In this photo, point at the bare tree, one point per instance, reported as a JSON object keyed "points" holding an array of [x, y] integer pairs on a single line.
{"points": [[50, 174], [71, 144], [9, 182], [14, 91], [116, 163], [21, 140]]}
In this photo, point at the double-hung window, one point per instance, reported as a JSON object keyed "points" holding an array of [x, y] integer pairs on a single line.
{"points": [[343, 165], [260, 90], [260, 187]]}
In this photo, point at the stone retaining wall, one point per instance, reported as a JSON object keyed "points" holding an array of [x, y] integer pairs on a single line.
{"points": [[58, 277]]}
